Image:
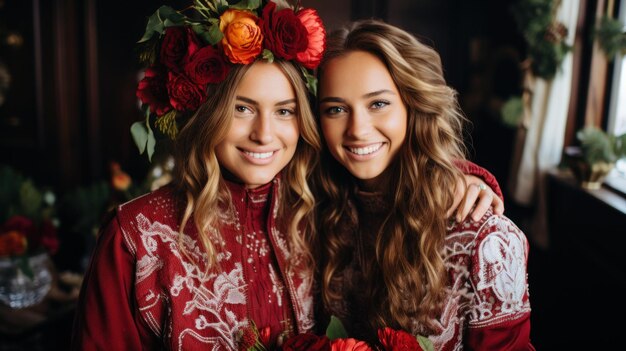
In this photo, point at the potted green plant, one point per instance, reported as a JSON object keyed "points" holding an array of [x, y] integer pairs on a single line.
{"points": [[596, 156]]}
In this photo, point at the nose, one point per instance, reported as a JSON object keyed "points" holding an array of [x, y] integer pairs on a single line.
{"points": [[262, 129], [359, 124]]}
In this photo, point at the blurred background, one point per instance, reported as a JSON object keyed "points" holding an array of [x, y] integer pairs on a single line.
{"points": [[542, 83]]}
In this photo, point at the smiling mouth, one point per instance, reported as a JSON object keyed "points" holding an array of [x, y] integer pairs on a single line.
{"points": [[370, 149], [259, 155]]}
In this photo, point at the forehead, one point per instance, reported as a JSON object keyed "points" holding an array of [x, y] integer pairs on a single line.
{"points": [[265, 81], [355, 74]]}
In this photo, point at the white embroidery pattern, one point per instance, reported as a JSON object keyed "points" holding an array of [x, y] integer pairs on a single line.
{"points": [[502, 267], [227, 287]]}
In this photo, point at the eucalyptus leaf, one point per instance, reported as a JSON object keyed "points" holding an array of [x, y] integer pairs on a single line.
{"points": [[150, 144], [335, 329], [425, 343], [140, 135]]}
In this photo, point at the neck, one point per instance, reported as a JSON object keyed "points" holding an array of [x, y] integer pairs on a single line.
{"points": [[379, 183]]}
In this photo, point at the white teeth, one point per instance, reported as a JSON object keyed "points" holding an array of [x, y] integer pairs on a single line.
{"points": [[259, 155], [365, 150]]}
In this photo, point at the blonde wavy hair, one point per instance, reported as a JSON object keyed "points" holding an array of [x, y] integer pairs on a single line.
{"points": [[199, 179], [409, 244]]}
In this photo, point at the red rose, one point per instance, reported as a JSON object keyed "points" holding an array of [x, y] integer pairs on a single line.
{"points": [[349, 344], [178, 45], [206, 66], [152, 90], [185, 95], [49, 239], [312, 56], [397, 340], [24, 226], [285, 35], [307, 342]]}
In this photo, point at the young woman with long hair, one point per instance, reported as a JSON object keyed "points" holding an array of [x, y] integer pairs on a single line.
{"points": [[388, 253]]}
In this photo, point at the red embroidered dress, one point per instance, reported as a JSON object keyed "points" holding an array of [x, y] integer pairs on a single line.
{"points": [[142, 292], [487, 306]]}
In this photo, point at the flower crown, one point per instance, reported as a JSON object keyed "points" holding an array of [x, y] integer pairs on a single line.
{"points": [[186, 54]]}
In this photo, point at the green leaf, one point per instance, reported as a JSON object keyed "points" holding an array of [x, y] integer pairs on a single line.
{"points": [[512, 111], [24, 266], [620, 146], [213, 35], [246, 5], [31, 200], [311, 81], [150, 144], [140, 135], [335, 329], [268, 55], [164, 17], [425, 343]]}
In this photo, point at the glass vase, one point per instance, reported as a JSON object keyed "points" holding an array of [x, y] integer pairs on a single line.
{"points": [[24, 283]]}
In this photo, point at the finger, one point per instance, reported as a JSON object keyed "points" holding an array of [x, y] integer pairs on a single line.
{"points": [[459, 194], [498, 205], [471, 195], [485, 200]]}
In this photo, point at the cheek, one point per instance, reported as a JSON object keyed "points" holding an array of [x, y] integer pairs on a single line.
{"points": [[332, 131], [290, 133]]}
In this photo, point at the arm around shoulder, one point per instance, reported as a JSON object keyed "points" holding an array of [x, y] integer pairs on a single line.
{"points": [[501, 316]]}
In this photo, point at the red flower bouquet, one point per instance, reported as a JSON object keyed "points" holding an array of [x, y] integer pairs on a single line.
{"points": [[336, 339], [27, 223]]}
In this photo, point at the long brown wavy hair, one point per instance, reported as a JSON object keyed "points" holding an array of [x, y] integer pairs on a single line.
{"points": [[198, 177], [407, 277]]}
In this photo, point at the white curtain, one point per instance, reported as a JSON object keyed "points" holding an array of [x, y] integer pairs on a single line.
{"points": [[543, 143]]}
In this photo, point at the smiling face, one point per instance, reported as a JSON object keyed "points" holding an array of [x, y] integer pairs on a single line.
{"points": [[264, 132], [363, 118]]}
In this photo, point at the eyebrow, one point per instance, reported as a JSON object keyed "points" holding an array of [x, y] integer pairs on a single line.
{"points": [[365, 96], [255, 103]]}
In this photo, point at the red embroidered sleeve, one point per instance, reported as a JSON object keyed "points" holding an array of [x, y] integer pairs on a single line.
{"points": [[106, 318], [501, 308]]}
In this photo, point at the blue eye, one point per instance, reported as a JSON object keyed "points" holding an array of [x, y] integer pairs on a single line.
{"points": [[379, 104]]}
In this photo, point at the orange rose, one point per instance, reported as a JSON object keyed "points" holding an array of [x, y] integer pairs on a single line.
{"points": [[312, 56], [12, 243], [243, 40]]}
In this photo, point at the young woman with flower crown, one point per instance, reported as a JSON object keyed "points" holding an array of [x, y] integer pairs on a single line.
{"points": [[387, 254], [218, 259]]}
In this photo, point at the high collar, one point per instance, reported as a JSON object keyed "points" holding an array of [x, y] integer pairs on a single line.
{"points": [[256, 197]]}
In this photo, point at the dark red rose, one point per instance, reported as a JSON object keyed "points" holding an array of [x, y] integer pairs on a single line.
{"points": [[397, 340], [49, 238], [152, 90], [178, 45], [22, 225], [307, 342], [207, 65], [285, 35], [185, 95]]}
